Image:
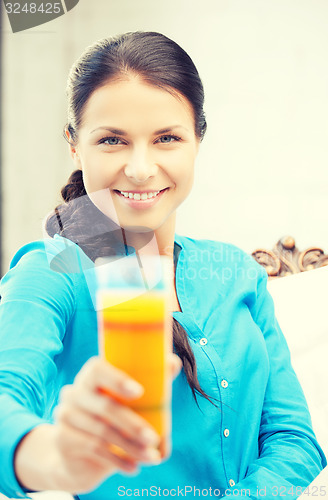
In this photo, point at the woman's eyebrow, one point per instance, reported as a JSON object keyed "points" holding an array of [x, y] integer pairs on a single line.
{"points": [[118, 131], [168, 129]]}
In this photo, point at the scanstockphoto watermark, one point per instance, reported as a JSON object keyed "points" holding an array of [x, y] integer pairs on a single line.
{"points": [[25, 15], [266, 491], [185, 491], [224, 274]]}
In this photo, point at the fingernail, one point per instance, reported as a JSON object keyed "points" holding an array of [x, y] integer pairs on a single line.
{"points": [[133, 472], [152, 455], [149, 437], [132, 388]]}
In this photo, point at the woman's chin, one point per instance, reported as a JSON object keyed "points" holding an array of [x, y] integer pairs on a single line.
{"points": [[137, 229]]}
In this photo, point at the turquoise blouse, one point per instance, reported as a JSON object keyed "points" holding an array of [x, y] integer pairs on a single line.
{"points": [[257, 440]]}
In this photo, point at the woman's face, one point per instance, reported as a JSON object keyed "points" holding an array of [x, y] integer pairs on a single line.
{"points": [[137, 147]]}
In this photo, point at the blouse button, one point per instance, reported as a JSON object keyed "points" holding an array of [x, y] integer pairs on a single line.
{"points": [[224, 384], [232, 482], [226, 432], [203, 341]]}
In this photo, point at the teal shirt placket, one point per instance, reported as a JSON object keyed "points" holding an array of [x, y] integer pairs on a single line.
{"points": [[207, 358]]}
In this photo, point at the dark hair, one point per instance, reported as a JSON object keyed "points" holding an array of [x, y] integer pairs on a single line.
{"points": [[157, 59], [161, 62]]}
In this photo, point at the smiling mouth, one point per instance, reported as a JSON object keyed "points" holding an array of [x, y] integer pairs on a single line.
{"points": [[140, 196]]}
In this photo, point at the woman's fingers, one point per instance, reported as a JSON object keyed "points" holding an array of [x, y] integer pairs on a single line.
{"points": [[122, 418], [97, 373], [96, 432], [102, 389], [90, 424], [176, 365], [95, 422], [76, 446]]}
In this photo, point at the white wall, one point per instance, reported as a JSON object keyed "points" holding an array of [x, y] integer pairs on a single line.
{"points": [[263, 167]]}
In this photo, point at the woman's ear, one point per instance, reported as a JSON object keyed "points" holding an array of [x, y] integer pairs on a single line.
{"points": [[197, 145], [73, 151], [75, 156]]}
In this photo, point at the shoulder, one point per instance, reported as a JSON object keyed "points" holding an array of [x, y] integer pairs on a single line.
{"points": [[212, 246], [219, 252], [222, 268], [48, 253], [41, 269]]}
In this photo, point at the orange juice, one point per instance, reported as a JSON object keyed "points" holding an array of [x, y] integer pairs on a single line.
{"points": [[135, 336]]}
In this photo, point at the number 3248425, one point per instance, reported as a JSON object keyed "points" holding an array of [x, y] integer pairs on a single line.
{"points": [[33, 8], [282, 491]]}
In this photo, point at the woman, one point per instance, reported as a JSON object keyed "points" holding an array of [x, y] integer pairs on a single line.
{"points": [[240, 420]]}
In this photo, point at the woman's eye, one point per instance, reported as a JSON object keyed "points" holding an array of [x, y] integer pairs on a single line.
{"points": [[111, 141], [116, 141], [164, 139]]}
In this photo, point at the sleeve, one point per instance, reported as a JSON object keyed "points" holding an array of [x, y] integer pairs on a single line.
{"points": [[36, 305], [289, 456]]}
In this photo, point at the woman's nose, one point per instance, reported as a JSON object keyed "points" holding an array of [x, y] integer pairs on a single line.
{"points": [[140, 167]]}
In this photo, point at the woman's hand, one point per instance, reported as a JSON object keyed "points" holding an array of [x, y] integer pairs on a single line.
{"points": [[88, 423]]}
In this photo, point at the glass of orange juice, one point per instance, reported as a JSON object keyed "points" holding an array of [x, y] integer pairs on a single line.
{"points": [[135, 332]]}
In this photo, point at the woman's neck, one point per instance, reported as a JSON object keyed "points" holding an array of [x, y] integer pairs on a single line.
{"points": [[158, 242]]}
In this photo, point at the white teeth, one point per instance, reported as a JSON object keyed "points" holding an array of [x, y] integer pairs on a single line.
{"points": [[138, 196]]}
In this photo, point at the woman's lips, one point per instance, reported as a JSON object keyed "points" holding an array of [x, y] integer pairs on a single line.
{"points": [[141, 204]]}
